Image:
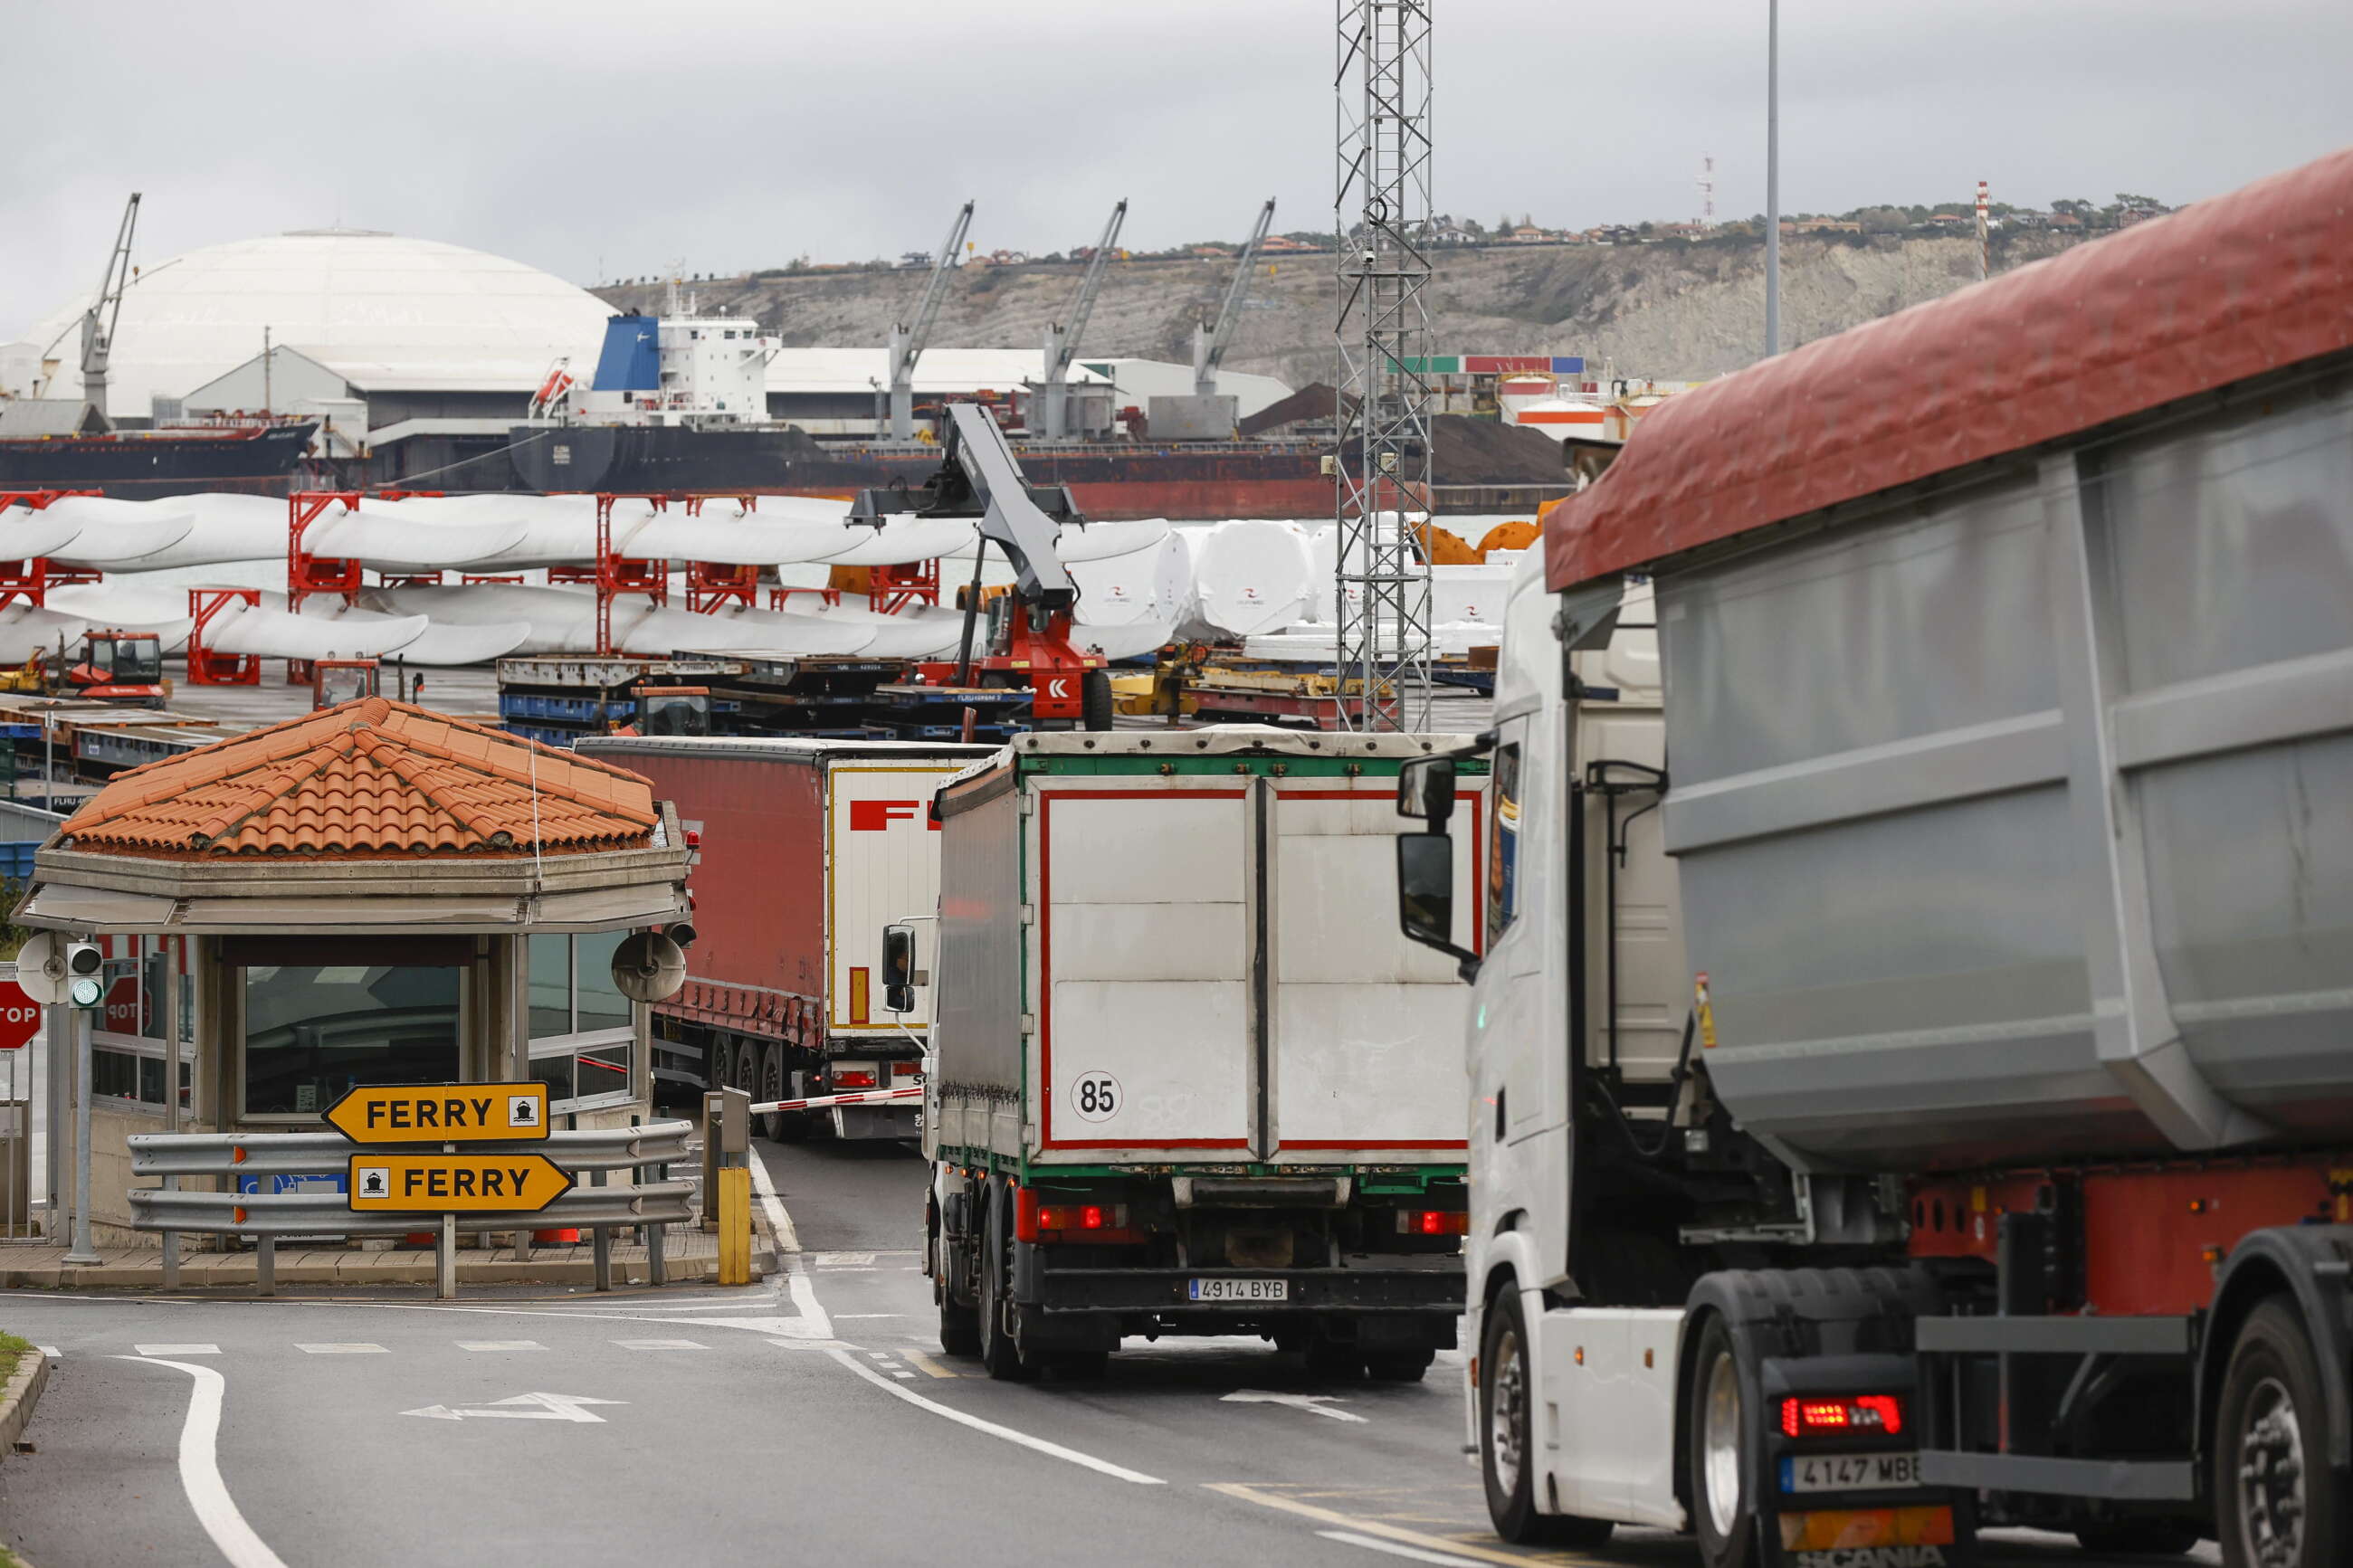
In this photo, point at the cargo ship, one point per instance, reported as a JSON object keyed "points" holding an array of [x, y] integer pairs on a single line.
{"points": [[672, 412], [249, 457]]}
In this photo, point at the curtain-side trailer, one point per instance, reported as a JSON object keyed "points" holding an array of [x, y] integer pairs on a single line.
{"points": [[1188, 1076], [1912, 1067], [802, 850]]}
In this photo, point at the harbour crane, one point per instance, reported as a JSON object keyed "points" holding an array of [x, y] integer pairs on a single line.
{"points": [[97, 323], [1209, 342], [1029, 641], [907, 339], [1062, 337]]}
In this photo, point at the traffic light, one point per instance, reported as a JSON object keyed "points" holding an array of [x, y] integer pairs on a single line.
{"points": [[85, 975]]}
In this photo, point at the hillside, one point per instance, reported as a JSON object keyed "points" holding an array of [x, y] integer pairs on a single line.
{"points": [[1674, 310]]}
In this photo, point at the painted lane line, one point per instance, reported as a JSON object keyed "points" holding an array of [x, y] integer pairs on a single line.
{"points": [[843, 1260], [765, 1187], [1039, 1444], [200, 1475], [845, 1317], [501, 1345], [523, 1407], [817, 1325], [1313, 1403], [342, 1350], [878, 1355], [1477, 1554], [1398, 1549], [661, 1345], [927, 1367], [174, 1350]]}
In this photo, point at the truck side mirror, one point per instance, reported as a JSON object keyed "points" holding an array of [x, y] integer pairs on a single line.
{"points": [[1425, 895], [899, 969], [1426, 791]]}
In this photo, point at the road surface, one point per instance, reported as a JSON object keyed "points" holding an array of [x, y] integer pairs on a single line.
{"points": [[812, 1419]]}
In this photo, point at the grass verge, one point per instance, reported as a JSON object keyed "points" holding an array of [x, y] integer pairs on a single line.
{"points": [[11, 1347]]}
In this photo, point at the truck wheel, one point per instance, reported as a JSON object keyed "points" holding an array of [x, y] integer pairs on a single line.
{"points": [[999, 1351], [2277, 1502], [1723, 1514], [1398, 1366], [1507, 1454], [1094, 700], [2151, 1537], [959, 1327]]}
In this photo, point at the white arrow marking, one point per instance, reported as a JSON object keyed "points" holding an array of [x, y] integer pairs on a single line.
{"points": [[521, 1407], [1313, 1403]]}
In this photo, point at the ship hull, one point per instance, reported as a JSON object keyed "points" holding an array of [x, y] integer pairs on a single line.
{"points": [[137, 466], [1112, 481]]}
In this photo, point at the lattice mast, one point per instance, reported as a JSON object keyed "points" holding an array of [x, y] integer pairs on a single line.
{"points": [[1381, 211]]}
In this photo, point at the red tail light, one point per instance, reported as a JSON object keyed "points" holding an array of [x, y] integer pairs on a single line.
{"points": [[1867, 1415], [1433, 1222], [1081, 1217], [853, 1080]]}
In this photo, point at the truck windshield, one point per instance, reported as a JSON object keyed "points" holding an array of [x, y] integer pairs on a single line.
{"points": [[130, 659]]}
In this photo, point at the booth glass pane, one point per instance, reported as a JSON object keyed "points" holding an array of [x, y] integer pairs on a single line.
{"points": [[600, 1002], [314, 1031], [549, 964]]}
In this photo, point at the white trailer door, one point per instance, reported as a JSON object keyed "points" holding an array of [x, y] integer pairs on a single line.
{"points": [[1365, 1037], [1145, 896], [882, 864]]}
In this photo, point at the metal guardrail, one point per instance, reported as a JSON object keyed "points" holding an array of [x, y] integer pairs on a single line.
{"points": [[654, 1202], [325, 1153], [321, 1214]]}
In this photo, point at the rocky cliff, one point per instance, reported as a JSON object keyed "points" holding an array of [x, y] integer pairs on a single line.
{"points": [[1676, 311]]}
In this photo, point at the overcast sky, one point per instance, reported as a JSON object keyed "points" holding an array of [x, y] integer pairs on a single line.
{"points": [[603, 140]]}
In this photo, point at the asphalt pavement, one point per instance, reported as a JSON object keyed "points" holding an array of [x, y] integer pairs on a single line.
{"points": [[810, 1417]]}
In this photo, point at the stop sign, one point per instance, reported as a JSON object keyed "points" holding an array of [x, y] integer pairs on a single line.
{"points": [[20, 1017], [120, 1011]]}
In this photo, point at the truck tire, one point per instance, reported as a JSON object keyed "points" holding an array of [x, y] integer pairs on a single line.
{"points": [[959, 1327], [2277, 1502], [1719, 1426], [999, 1352], [1095, 710], [1507, 1454]]}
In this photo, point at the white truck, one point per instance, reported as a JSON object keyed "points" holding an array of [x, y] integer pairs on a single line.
{"points": [[1186, 1075], [1909, 1076]]}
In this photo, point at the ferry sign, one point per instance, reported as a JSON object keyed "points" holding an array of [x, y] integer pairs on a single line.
{"points": [[441, 1113], [452, 1183]]}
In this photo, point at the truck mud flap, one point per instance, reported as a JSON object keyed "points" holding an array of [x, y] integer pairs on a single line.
{"points": [[1170, 1290], [1835, 1332]]}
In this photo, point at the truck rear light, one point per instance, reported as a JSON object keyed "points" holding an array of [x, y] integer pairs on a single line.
{"points": [[906, 1070], [853, 1080], [1082, 1217], [1867, 1415], [1433, 1222]]}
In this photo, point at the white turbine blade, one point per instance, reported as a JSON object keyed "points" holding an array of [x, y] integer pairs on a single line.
{"points": [[26, 629], [25, 533], [903, 541], [379, 537]]}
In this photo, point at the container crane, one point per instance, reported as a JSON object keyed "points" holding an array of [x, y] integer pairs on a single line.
{"points": [[1062, 338], [907, 339], [979, 479], [1209, 342]]}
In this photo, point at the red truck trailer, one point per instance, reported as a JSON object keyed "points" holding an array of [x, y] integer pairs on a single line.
{"points": [[804, 850]]}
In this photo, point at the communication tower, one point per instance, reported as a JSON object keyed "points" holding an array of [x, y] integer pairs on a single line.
{"points": [[1707, 192], [1380, 466]]}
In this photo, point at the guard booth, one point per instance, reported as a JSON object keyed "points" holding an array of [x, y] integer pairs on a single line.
{"points": [[371, 894]]}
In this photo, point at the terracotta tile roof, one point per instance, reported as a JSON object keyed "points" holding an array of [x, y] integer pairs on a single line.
{"points": [[370, 779]]}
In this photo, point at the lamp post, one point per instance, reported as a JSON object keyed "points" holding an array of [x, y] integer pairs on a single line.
{"points": [[1772, 177]]}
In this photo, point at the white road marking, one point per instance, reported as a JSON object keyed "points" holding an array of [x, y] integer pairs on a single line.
{"points": [[173, 1349], [845, 1317], [661, 1345], [521, 1407], [1396, 1549], [1313, 1403], [804, 1290], [908, 1375], [200, 1475], [501, 1345], [878, 1355], [843, 1260], [1104, 1465], [787, 1238], [342, 1350]]}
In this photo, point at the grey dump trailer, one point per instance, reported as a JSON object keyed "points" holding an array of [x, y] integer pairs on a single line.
{"points": [[1912, 1080]]}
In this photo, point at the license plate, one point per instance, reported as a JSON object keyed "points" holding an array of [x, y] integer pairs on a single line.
{"points": [[1237, 1289], [1849, 1472]]}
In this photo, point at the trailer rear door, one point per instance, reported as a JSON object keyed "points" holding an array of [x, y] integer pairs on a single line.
{"points": [[1144, 927], [1364, 1029], [882, 864]]}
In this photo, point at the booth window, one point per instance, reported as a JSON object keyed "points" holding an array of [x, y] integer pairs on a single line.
{"points": [[582, 1033], [315, 1027], [128, 1041]]}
